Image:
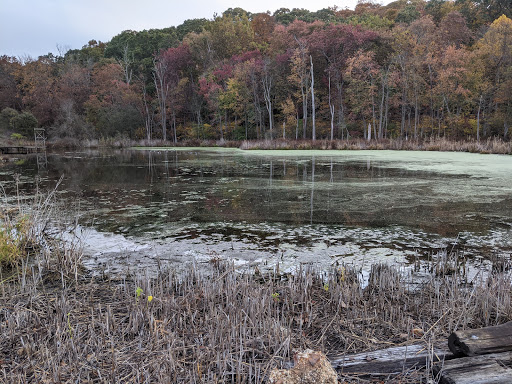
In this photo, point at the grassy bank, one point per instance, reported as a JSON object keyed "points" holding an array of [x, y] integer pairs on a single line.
{"points": [[495, 145], [227, 327]]}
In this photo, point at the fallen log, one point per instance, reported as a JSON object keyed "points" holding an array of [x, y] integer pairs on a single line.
{"points": [[388, 361], [486, 369], [481, 341]]}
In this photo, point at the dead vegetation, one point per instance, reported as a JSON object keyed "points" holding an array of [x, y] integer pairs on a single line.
{"points": [[225, 326], [494, 145], [491, 145]]}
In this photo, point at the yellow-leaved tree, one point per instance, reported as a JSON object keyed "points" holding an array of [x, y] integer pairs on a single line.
{"points": [[494, 55]]}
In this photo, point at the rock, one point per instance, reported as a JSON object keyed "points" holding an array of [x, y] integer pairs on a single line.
{"points": [[311, 367]]}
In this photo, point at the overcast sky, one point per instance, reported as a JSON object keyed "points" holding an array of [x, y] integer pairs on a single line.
{"points": [[37, 27]]}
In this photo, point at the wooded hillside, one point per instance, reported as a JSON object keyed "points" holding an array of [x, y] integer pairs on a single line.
{"points": [[411, 69]]}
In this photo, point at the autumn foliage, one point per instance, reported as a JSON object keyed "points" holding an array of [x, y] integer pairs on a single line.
{"points": [[411, 69]]}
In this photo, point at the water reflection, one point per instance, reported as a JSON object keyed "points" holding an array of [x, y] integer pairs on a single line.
{"points": [[317, 204], [312, 188]]}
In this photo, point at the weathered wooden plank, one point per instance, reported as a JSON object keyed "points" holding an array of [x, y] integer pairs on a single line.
{"points": [[486, 369], [390, 360], [481, 341]]}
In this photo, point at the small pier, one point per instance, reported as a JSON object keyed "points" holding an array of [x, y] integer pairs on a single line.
{"points": [[39, 145], [20, 150]]}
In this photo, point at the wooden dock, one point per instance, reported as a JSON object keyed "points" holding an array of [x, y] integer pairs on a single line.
{"points": [[20, 150]]}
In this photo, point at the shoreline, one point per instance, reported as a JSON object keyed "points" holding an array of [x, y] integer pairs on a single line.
{"points": [[488, 146]]}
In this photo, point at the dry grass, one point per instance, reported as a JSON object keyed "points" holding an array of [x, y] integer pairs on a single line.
{"points": [[495, 145], [225, 326], [28, 238], [22, 225], [491, 145]]}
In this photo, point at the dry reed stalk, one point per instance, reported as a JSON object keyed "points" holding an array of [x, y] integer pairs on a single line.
{"points": [[227, 326], [494, 145], [434, 143]]}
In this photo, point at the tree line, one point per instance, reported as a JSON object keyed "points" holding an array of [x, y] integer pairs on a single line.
{"points": [[411, 69]]}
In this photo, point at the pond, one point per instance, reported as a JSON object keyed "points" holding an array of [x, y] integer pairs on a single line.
{"points": [[144, 208]]}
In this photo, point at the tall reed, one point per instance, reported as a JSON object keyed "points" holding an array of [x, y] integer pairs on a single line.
{"points": [[227, 326]]}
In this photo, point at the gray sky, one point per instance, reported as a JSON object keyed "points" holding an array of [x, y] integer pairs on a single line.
{"points": [[37, 27]]}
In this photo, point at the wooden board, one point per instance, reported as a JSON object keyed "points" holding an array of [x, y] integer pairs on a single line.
{"points": [[487, 369], [390, 360], [481, 341]]}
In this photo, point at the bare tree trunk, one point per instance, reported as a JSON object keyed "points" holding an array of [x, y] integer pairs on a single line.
{"points": [[439, 116], [341, 112], [267, 89], [408, 130], [267, 82], [331, 109], [256, 104], [373, 111], [304, 111], [402, 124], [198, 115], [175, 138], [416, 117], [431, 99], [381, 108], [405, 84], [235, 126], [246, 136], [220, 127], [312, 189], [125, 63], [302, 73], [148, 120], [162, 91], [386, 110], [447, 106], [312, 98], [297, 127], [226, 128]]}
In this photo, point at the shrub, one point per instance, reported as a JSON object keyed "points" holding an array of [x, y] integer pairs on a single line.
{"points": [[24, 123], [6, 117], [14, 238], [17, 136]]}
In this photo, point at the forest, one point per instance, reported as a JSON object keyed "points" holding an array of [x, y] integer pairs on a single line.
{"points": [[410, 69]]}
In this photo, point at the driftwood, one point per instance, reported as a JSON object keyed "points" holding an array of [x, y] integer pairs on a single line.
{"points": [[487, 351], [482, 341], [487, 369], [387, 361]]}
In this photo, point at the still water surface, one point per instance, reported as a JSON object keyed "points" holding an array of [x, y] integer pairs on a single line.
{"points": [[138, 208]]}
